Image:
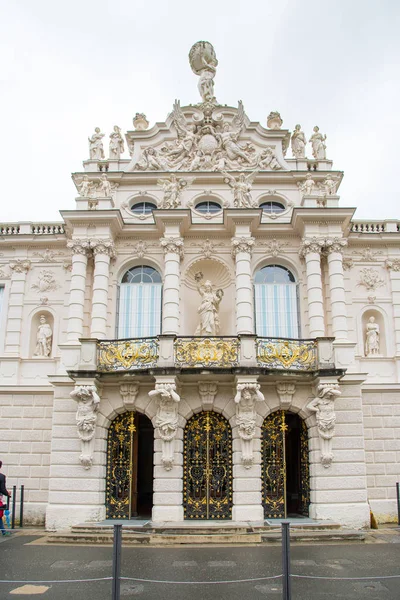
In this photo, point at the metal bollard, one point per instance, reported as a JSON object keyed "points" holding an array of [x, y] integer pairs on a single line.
{"points": [[21, 507], [14, 500], [116, 566], [286, 582], [398, 502]]}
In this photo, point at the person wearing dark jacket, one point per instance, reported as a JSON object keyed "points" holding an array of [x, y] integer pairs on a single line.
{"points": [[3, 492]]}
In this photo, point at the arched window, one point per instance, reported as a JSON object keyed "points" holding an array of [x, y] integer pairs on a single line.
{"points": [[139, 303], [208, 207], [276, 303]]}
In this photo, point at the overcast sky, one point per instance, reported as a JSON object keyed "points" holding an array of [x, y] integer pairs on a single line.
{"points": [[67, 67]]}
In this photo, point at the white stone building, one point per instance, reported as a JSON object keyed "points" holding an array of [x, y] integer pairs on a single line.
{"points": [[208, 335]]}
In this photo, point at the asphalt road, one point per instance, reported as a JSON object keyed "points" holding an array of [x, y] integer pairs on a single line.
{"points": [[20, 559]]}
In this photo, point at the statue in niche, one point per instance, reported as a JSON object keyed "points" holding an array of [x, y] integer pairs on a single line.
{"points": [[172, 188], [203, 62], [318, 146], [324, 408], [44, 338], [241, 188], [372, 338], [298, 142], [209, 307], [116, 143], [96, 149]]}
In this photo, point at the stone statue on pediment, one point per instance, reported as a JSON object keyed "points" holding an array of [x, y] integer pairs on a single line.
{"points": [[318, 144], [96, 150], [116, 143], [298, 142], [241, 188], [203, 61]]}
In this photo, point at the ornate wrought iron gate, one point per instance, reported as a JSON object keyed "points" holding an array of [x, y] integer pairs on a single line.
{"points": [[207, 467], [274, 493], [121, 492]]}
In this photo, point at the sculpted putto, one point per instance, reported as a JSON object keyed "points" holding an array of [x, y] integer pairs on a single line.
{"points": [[44, 338], [86, 187], [307, 187], [116, 143], [298, 142], [318, 146], [372, 338], [96, 149], [241, 188], [209, 307], [324, 408]]}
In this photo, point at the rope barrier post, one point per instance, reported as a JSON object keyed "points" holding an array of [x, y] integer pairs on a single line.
{"points": [[116, 566], [21, 507], [14, 499], [286, 582], [398, 502]]}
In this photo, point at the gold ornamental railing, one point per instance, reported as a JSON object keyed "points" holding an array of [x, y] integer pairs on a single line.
{"points": [[125, 355], [206, 352], [280, 353]]}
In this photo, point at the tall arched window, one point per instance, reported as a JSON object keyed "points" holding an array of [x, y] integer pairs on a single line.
{"points": [[276, 303], [139, 303]]}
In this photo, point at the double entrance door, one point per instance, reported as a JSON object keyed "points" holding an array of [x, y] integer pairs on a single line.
{"points": [[285, 466], [129, 483]]}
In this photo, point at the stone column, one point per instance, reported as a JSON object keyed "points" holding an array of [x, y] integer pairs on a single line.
{"points": [[80, 250], [19, 269], [334, 248], [241, 252], [311, 251], [103, 251], [173, 250]]}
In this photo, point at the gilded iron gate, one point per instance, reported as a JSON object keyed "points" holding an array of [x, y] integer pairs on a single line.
{"points": [[274, 465], [207, 464], [274, 434], [120, 466]]}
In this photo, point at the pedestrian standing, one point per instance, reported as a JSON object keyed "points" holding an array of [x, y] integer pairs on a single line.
{"points": [[3, 492]]}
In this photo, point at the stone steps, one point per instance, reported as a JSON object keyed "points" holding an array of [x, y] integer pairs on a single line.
{"points": [[197, 535]]}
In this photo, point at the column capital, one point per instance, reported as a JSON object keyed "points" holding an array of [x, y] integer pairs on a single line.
{"points": [[335, 244], [311, 245], [242, 244], [81, 246], [172, 245], [105, 246], [20, 266]]}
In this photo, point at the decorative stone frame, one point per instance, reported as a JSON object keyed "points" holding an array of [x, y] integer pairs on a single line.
{"points": [[205, 196], [125, 207], [274, 197]]}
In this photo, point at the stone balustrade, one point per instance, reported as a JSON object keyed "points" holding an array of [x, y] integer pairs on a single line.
{"points": [[391, 226], [107, 356], [31, 229]]}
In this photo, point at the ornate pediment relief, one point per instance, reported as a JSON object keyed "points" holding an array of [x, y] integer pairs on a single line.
{"points": [[208, 137]]}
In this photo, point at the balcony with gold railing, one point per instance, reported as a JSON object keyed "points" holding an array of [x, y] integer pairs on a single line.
{"points": [[219, 353]]}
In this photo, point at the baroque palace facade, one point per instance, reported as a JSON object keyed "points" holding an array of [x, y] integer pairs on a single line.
{"points": [[208, 335]]}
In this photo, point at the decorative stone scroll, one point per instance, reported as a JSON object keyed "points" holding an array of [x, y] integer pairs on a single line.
{"points": [[207, 391], [370, 279], [129, 392], [393, 264], [172, 245], [285, 392], [242, 244], [247, 394], [86, 416], [324, 409], [166, 419]]}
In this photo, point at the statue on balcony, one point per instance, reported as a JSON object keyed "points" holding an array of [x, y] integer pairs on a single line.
{"points": [[298, 142], [116, 143], [209, 307], [372, 338], [96, 149], [43, 338], [318, 144]]}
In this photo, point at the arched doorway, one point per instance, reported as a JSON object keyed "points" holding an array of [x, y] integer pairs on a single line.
{"points": [[129, 483], [285, 466], [207, 467]]}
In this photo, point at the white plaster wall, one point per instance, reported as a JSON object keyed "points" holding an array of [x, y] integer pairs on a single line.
{"points": [[381, 410], [25, 425]]}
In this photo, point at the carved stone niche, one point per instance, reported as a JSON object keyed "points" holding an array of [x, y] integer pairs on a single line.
{"points": [[207, 391], [42, 335], [373, 334], [129, 392], [285, 392]]}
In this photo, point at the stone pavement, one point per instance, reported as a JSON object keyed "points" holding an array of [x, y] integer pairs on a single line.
{"points": [[23, 558]]}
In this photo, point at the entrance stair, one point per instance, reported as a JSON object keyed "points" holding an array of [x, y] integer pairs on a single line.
{"points": [[204, 533]]}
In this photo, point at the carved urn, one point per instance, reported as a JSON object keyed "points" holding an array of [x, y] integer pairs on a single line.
{"points": [[140, 122], [274, 120]]}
